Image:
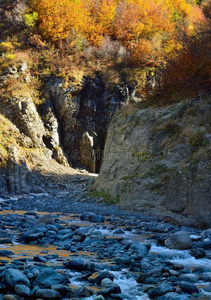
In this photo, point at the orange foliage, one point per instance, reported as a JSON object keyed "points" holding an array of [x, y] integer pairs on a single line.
{"points": [[148, 29]]}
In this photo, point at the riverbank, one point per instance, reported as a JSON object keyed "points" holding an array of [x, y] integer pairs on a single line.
{"points": [[65, 245]]}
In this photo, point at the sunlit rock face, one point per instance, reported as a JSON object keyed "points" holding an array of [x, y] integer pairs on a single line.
{"points": [[157, 161]]}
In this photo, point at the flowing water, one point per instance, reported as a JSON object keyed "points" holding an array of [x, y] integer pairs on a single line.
{"points": [[125, 278]]}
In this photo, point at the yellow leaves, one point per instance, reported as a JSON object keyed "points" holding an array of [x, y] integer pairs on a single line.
{"points": [[6, 46], [148, 29]]}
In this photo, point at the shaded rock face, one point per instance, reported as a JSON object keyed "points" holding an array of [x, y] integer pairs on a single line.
{"points": [[158, 161], [84, 113], [17, 170]]}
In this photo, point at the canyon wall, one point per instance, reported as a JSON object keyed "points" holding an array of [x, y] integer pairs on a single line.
{"points": [[157, 161]]}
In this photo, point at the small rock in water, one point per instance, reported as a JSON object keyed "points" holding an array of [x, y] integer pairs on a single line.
{"points": [[188, 287], [83, 292], [75, 264], [142, 250], [99, 297], [6, 253], [97, 277], [106, 282], [5, 241], [46, 219], [172, 296], [206, 234], [198, 253], [161, 289], [118, 231], [40, 258], [9, 297], [63, 290], [179, 240], [48, 294]]}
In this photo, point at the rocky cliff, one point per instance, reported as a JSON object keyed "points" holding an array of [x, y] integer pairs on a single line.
{"points": [[62, 120], [84, 112], [157, 161]]}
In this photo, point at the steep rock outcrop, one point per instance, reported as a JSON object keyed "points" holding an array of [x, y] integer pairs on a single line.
{"points": [[18, 106], [16, 149], [84, 113], [157, 161]]}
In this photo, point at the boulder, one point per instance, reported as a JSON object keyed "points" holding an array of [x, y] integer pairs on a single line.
{"points": [[188, 287], [139, 248], [13, 277], [179, 240], [161, 289], [97, 277], [46, 219], [48, 294], [22, 290], [48, 277], [75, 264]]}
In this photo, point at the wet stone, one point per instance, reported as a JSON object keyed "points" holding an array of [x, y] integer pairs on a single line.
{"points": [[161, 289], [6, 241], [83, 292], [39, 258], [48, 294], [179, 240], [97, 277], [6, 253], [112, 290], [75, 264], [47, 277], [173, 296], [63, 290], [188, 287], [198, 253], [13, 277], [99, 297], [22, 290], [9, 297]]}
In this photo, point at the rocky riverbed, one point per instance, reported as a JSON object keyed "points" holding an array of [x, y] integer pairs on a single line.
{"points": [[65, 245]]}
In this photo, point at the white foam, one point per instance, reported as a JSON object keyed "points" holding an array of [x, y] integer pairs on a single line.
{"points": [[169, 252], [193, 262]]}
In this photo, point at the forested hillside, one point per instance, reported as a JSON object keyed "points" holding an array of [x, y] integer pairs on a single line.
{"points": [[156, 45]]}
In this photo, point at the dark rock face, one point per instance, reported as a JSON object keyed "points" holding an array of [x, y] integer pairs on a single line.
{"points": [[84, 113]]}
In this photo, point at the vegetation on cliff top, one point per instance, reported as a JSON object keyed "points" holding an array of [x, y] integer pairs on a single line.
{"points": [[166, 43]]}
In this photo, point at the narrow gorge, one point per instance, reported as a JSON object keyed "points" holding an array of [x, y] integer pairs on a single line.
{"points": [[105, 142]]}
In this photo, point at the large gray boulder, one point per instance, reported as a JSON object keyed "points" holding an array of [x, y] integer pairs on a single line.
{"points": [[14, 277], [48, 277], [179, 240]]}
